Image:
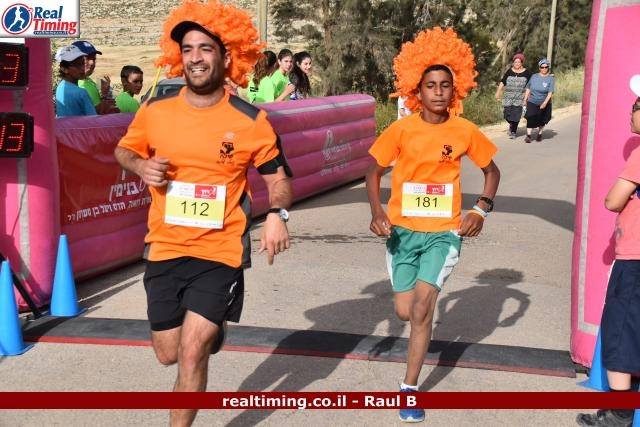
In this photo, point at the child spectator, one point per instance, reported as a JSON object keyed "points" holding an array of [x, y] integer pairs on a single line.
{"points": [[102, 100], [620, 325], [299, 76], [261, 88], [283, 88], [131, 77], [70, 99], [424, 226]]}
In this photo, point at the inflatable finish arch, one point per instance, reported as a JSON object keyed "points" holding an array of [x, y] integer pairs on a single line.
{"points": [[73, 185], [605, 144]]}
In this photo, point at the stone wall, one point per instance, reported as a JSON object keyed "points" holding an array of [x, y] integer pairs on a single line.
{"points": [[120, 23]]}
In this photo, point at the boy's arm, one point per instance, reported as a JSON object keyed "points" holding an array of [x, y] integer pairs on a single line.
{"points": [[472, 223], [380, 223], [619, 194]]}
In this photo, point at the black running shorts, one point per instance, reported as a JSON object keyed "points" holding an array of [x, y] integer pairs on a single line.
{"points": [[620, 326], [208, 288]]}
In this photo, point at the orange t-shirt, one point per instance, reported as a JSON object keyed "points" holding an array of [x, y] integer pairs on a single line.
{"points": [[215, 146], [426, 153]]}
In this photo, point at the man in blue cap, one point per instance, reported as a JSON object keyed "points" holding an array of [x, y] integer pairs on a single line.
{"points": [[102, 100]]}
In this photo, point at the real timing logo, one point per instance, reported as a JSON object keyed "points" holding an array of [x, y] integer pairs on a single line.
{"points": [[52, 20]]}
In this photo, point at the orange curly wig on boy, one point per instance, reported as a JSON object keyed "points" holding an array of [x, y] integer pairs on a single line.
{"points": [[433, 47], [231, 25]]}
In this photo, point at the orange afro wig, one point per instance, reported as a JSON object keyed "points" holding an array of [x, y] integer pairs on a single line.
{"points": [[231, 25], [433, 47]]}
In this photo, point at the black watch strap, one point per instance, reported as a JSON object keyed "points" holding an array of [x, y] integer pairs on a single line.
{"points": [[488, 201], [274, 210]]}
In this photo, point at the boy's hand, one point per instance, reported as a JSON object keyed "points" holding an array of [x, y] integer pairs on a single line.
{"points": [[380, 225], [471, 225], [105, 82]]}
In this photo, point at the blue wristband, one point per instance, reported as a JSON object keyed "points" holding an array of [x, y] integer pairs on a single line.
{"points": [[477, 208]]}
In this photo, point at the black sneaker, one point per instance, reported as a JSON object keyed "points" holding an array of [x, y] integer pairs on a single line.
{"points": [[604, 418], [222, 336]]}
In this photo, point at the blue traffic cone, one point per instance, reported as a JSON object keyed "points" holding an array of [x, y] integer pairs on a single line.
{"points": [[64, 301], [11, 343], [598, 374]]}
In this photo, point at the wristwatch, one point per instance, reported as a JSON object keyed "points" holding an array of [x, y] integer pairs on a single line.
{"points": [[282, 213], [488, 201]]}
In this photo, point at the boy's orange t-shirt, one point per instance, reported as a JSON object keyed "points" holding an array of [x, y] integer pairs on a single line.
{"points": [[426, 153], [215, 146]]}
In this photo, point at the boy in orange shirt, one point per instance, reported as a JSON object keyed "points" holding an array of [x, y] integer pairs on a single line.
{"points": [[424, 226]]}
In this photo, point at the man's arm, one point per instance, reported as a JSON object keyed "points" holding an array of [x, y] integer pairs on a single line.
{"points": [[472, 223], [380, 223], [275, 236], [152, 171]]}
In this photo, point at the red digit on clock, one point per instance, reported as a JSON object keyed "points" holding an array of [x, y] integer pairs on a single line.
{"points": [[15, 135], [10, 68]]}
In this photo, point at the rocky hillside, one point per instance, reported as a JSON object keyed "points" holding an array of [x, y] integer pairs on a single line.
{"points": [[121, 23]]}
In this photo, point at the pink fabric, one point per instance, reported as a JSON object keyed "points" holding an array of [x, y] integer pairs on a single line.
{"points": [[605, 125], [628, 222]]}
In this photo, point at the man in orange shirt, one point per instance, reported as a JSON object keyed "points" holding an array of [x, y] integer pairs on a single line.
{"points": [[424, 226], [193, 149]]}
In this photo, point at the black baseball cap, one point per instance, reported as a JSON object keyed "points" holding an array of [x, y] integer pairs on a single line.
{"points": [[184, 27]]}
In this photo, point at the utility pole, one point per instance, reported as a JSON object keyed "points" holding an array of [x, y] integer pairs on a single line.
{"points": [[552, 27], [263, 13]]}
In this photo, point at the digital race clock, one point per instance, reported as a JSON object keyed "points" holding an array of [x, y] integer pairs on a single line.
{"points": [[16, 135], [14, 66]]}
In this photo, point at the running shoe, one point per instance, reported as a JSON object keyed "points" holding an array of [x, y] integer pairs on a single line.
{"points": [[512, 135], [527, 139], [413, 415], [539, 137], [603, 418], [222, 337]]}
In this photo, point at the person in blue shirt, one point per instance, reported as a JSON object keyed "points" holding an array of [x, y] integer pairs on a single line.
{"points": [[537, 100], [71, 100]]}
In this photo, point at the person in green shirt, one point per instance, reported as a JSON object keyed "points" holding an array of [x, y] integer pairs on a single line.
{"points": [[261, 88], [102, 99], [131, 77], [283, 87]]}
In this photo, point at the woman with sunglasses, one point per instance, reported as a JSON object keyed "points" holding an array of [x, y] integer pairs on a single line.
{"points": [[537, 100]]}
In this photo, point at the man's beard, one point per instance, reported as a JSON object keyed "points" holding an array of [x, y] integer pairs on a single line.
{"points": [[207, 87]]}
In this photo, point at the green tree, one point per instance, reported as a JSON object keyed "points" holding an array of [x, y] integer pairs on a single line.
{"points": [[353, 42]]}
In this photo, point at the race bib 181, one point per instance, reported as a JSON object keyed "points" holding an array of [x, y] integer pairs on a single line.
{"points": [[195, 205], [427, 200]]}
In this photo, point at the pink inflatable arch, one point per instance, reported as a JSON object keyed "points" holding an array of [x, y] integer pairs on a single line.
{"points": [[72, 184], [605, 143]]}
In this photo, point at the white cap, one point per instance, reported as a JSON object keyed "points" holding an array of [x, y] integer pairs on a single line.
{"points": [[69, 53], [634, 83]]}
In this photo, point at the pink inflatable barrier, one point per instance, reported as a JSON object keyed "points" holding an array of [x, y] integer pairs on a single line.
{"points": [[605, 144], [72, 184], [104, 209]]}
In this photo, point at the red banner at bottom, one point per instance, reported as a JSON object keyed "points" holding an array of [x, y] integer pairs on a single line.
{"points": [[318, 400]]}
